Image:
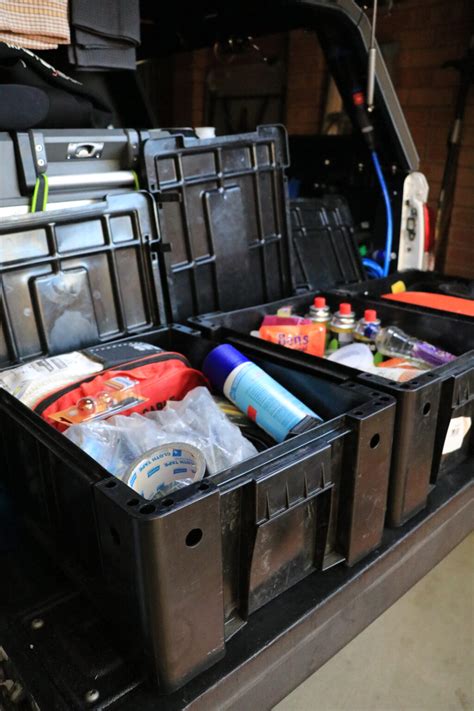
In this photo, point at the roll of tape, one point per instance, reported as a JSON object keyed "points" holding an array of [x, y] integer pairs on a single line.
{"points": [[164, 469]]}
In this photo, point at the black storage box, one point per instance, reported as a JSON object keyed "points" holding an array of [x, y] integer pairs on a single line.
{"points": [[182, 574], [231, 255], [415, 280]]}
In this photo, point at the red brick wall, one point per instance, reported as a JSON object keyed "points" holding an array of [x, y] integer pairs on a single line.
{"points": [[306, 78], [429, 33]]}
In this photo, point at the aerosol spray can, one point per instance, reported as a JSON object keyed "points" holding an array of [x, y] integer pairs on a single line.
{"points": [[341, 327], [259, 396], [319, 313], [367, 329]]}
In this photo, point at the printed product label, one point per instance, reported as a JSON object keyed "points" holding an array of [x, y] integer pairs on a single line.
{"points": [[34, 381], [159, 470], [119, 393], [457, 430], [337, 338], [266, 402]]}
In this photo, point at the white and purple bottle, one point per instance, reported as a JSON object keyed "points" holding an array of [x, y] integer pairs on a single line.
{"points": [[392, 341]]}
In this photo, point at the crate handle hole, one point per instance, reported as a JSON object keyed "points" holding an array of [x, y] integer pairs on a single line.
{"points": [[375, 441], [115, 535], [133, 502], [204, 486], [384, 398], [194, 537], [147, 509], [110, 484], [426, 408], [359, 413], [167, 502]]}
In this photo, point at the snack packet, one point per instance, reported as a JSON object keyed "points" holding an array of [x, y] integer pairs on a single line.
{"points": [[297, 333], [399, 369]]}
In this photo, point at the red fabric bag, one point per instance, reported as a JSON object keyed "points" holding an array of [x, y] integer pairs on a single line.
{"points": [[136, 386]]}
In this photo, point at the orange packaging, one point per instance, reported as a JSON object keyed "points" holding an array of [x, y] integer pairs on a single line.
{"points": [[307, 337]]}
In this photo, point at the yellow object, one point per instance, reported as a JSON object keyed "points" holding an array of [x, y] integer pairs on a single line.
{"points": [[285, 311], [398, 287]]}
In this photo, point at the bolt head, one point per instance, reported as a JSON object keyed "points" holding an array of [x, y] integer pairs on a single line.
{"points": [[91, 696], [37, 623]]}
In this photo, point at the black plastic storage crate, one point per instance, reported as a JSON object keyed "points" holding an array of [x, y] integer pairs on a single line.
{"points": [[176, 577], [415, 280], [231, 255], [426, 406]]}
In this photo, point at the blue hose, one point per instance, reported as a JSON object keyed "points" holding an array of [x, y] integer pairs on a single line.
{"points": [[373, 267], [388, 209]]}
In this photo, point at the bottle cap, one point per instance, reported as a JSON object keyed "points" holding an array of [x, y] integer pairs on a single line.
{"points": [[220, 362], [345, 309], [370, 315], [320, 302]]}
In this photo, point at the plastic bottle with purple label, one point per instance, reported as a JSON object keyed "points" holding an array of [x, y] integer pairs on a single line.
{"points": [[392, 341]]}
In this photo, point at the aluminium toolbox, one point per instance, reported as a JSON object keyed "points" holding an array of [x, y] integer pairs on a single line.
{"points": [[80, 164], [75, 278], [230, 254]]}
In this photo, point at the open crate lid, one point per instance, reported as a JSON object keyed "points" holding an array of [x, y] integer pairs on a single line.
{"points": [[229, 231], [78, 277], [325, 253]]}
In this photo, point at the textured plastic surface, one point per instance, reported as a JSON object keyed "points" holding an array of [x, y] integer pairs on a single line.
{"points": [[324, 250], [230, 219], [78, 278], [237, 539]]}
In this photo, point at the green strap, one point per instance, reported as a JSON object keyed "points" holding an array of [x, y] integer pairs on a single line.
{"points": [[136, 182], [40, 194]]}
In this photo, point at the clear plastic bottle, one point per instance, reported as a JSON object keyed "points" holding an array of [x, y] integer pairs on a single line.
{"points": [[367, 328], [394, 342]]}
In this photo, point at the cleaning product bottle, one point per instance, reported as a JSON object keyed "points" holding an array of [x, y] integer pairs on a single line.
{"points": [[392, 341], [258, 395], [341, 327], [367, 328]]}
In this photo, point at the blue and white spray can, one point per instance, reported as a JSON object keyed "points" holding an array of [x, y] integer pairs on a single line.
{"points": [[258, 395]]}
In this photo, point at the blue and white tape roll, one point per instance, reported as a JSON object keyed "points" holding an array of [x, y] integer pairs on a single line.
{"points": [[164, 469]]}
